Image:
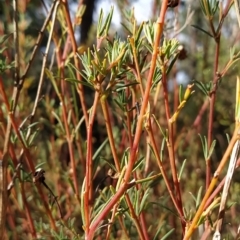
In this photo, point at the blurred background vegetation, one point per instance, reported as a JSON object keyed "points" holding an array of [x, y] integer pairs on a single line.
{"points": [[50, 149]]}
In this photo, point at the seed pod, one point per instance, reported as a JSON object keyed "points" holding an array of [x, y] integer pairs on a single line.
{"points": [[173, 3], [38, 176], [182, 52]]}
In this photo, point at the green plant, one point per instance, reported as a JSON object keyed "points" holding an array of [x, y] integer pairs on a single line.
{"points": [[120, 148]]}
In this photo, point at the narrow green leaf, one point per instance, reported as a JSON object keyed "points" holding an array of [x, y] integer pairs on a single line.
{"points": [[105, 27], [72, 185], [98, 151], [149, 178], [120, 87], [59, 121], [32, 137], [23, 139], [82, 201], [138, 34], [182, 168], [138, 164], [198, 200], [100, 209], [205, 148], [33, 124], [159, 230], [2, 49], [39, 165], [168, 234], [164, 207], [204, 31], [211, 149], [136, 203], [162, 149], [228, 137], [172, 63], [151, 148], [4, 37], [119, 104], [109, 163], [164, 135], [193, 197], [99, 25], [202, 87], [143, 202], [52, 79], [108, 21], [84, 83], [201, 139], [86, 70]]}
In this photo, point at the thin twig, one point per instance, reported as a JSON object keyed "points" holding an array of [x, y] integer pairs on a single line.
{"points": [[163, 172], [37, 44], [214, 180], [3, 162], [211, 110], [226, 187], [12, 122], [134, 149], [76, 60], [170, 144], [88, 186]]}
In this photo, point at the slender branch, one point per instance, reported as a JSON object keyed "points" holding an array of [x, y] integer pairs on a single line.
{"points": [[14, 159], [37, 44], [218, 188], [26, 153], [43, 65], [214, 181], [198, 119], [134, 149], [111, 222], [3, 162], [81, 94], [16, 43], [231, 168], [76, 60], [117, 164], [135, 220], [41, 79], [88, 187], [170, 142], [109, 131], [69, 137], [211, 110], [164, 174], [138, 186], [28, 211], [139, 78]]}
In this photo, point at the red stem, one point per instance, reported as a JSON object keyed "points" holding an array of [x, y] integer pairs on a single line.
{"points": [[88, 187], [28, 212], [76, 61], [134, 149], [171, 144], [26, 152], [211, 110]]}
